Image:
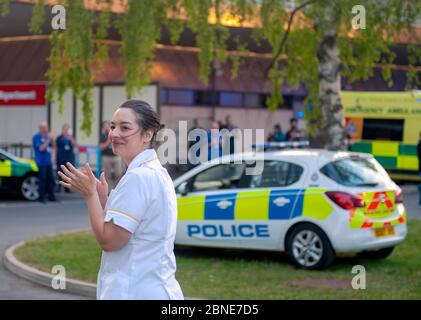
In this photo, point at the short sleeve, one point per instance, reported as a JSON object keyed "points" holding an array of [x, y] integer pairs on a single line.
{"points": [[128, 202], [36, 141]]}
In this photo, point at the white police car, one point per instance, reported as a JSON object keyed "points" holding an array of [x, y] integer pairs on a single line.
{"points": [[310, 203]]}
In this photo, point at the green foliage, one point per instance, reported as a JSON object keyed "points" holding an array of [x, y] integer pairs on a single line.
{"points": [[140, 29], [71, 61], [197, 12], [103, 24], [37, 19], [4, 7], [175, 23], [294, 38], [236, 59]]}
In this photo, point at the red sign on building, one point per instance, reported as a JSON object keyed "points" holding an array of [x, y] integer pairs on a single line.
{"points": [[22, 94]]}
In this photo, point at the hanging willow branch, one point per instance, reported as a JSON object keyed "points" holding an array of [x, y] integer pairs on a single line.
{"points": [[139, 29]]}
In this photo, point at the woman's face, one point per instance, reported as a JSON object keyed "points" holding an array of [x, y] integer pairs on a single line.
{"points": [[125, 134]]}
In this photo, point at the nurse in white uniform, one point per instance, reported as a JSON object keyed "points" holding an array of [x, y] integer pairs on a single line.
{"points": [[135, 225]]}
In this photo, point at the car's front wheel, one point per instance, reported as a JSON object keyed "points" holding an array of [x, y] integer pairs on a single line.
{"points": [[308, 247], [29, 188], [377, 254]]}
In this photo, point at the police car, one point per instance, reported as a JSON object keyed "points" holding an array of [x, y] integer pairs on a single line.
{"points": [[310, 203], [18, 175]]}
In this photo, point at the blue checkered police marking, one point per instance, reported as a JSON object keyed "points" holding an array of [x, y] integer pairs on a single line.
{"points": [[220, 206], [285, 204]]}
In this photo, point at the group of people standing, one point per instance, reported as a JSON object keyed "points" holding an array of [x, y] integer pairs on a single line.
{"points": [[293, 134], [215, 138], [49, 150]]}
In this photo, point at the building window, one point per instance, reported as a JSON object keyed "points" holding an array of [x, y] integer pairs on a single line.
{"points": [[288, 102], [252, 100], [180, 97], [163, 96], [191, 97], [231, 99], [206, 98]]}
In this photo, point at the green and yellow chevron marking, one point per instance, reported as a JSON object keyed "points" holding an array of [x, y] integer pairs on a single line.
{"points": [[391, 155]]}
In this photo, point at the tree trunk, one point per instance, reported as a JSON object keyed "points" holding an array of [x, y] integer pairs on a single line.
{"points": [[333, 121]]}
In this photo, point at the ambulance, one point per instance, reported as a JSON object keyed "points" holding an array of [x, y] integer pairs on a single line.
{"points": [[310, 203], [387, 125], [18, 175]]}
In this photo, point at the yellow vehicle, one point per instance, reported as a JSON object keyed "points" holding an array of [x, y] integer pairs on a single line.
{"points": [[387, 125]]}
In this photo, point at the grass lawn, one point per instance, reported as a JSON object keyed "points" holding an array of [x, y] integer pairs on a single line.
{"points": [[235, 274]]}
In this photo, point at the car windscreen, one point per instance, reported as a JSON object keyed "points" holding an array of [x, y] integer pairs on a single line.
{"points": [[4, 155], [355, 172]]}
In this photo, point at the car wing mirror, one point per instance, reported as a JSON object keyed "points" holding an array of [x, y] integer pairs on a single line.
{"points": [[182, 189]]}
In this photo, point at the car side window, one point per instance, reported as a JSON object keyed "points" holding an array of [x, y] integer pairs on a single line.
{"points": [[275, 174], [222, 176]]}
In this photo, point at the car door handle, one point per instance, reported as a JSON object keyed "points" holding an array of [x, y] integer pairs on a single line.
{"points": [[281, 201], [223, 204]]}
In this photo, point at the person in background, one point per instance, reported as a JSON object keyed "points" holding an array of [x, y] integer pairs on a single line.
{"points": [[43, 144], [348, 141], [293, 134], [277, 135], [66, 144], [194, 126], [214, 141], [231, 138], [111, 163], [193, 142], [419, 167]]}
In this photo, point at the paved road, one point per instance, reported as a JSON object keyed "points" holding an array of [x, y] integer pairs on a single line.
{"points": [[410, 199], [20, 220]]}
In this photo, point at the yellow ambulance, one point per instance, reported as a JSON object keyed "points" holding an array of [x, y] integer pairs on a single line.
{"points": [[387, 125]]}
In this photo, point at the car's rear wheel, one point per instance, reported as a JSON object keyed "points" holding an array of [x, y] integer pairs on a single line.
{"points": [[377, 254], [308, 247], [29, 188]]}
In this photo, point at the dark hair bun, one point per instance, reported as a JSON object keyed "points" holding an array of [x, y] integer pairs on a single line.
{"points": [[147, 118]]}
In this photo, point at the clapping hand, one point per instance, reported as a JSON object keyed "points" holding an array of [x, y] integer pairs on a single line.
{"points": [[82, 181], [102, 189]]}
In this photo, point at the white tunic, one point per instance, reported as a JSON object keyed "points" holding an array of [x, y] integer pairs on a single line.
{"points": [[144, 203]]}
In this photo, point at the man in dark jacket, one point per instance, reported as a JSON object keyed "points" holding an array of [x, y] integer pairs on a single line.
{"points": [[65, 144], [419, 165]]}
